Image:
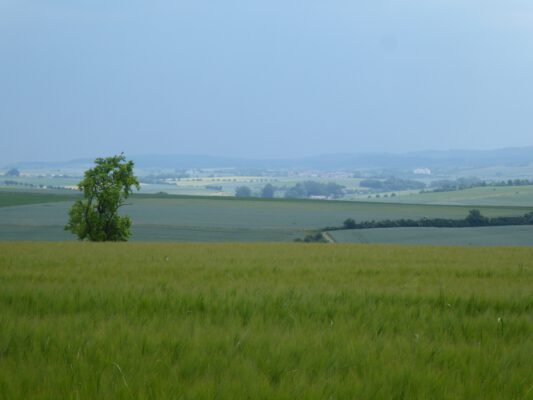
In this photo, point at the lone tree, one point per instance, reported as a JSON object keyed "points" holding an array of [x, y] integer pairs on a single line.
{"points": [[243, 191], [13, 172], [105, 189], [268, 191], [475, 218]]}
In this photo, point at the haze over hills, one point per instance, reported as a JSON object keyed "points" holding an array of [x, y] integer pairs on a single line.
{"points": [[518, 156]]}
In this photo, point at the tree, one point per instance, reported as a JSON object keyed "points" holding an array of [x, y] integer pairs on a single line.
{"points": [[13, 172], [105, 189], [475, 218], [243, 191], [307, 189], [268, 191], [349, 224]]}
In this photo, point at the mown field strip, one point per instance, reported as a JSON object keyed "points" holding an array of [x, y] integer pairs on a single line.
{"points": [[265, 321]]}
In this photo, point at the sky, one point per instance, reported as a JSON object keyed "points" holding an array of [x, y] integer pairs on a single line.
{"points": [[262, 79]]}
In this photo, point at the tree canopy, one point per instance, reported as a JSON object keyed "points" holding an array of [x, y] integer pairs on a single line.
{"points": [[105, 189], [243, 191], [303, 190], [268, 191], [13, 172]]}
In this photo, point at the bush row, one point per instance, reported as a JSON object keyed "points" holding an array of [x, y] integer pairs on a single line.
{"points": [[473, 219]]}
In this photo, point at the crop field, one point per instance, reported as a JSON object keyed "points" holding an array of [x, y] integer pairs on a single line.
{"points": [[488, 196], [482, 236], [175, 218], [38, 181], [264, 321], [17, 197]]}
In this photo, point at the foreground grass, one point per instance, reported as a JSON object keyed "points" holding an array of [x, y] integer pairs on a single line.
{"points": [[264, 321]]}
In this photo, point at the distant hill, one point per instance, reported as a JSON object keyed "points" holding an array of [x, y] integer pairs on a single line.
{"points": [[428, 159]]}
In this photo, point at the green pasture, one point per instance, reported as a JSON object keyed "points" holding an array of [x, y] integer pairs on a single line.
{"points": [[488, 196], [482, 236], [264, 321], [15, 197], [205, 219]]}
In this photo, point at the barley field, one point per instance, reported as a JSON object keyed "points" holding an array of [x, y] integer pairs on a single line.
{"points": [[264, 321]]}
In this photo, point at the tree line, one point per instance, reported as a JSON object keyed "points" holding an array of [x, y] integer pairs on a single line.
{"points": [[9, 182], [473, 219], [302, 190], [447, 185], [441, 185], [392, 184]]}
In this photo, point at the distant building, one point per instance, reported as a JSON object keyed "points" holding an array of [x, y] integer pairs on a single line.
{"points": [[422, 171]]}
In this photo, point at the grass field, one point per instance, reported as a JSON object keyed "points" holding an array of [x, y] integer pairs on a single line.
{"points": [[264, 321], [182, 218], [488, 196], [483, 236], [18, 197]]}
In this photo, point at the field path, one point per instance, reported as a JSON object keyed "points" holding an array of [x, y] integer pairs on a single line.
{"points": [[328, 237]]}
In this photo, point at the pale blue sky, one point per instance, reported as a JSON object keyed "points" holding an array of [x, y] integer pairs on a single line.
{"points": [[272, 78]]}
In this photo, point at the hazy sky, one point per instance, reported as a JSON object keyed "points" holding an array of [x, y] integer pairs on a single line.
{"points": [[271, 78]]}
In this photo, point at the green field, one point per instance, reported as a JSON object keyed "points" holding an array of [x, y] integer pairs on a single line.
{"points": [[18, 197], [264, 321], [488, 196], [207, 219], [483, 236]]}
